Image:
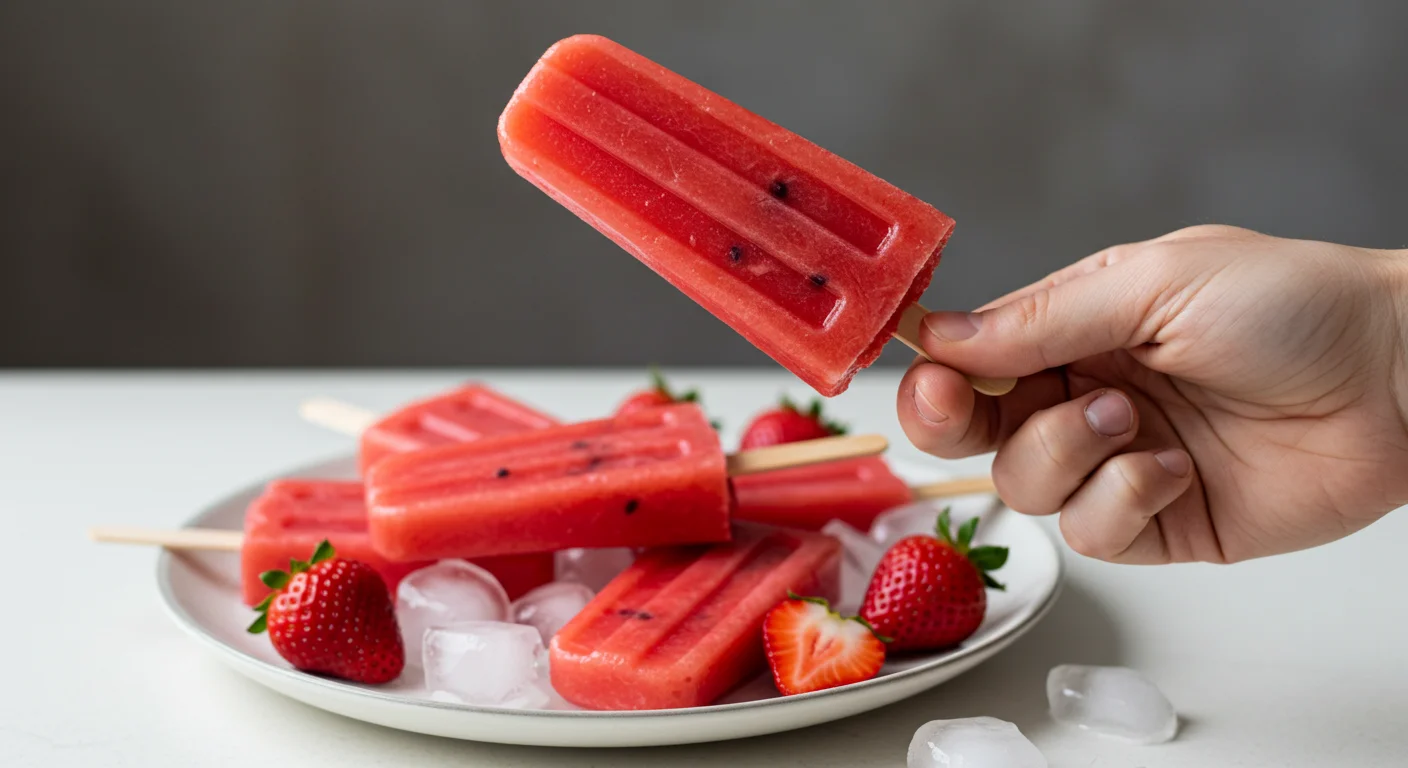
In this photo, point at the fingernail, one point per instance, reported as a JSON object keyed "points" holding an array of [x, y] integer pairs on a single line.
{"points": [[1175, 461], [926, 409], [1109, 415], [953, 326]]}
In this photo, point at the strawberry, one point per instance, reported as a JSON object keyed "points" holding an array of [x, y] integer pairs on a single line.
{"points": [[931, 592], [332, 616], [788, 424], [811, 647], [659, 394]]}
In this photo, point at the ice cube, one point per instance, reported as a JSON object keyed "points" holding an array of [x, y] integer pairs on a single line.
{"points": [[860, 555], [487, 663], [972, 742], [593, 567], [1111, 701], [447, 592], [549, 607], [921, 517]]}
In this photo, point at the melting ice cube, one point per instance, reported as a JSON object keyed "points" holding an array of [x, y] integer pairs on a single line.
{"points": [[921, 517], [488, 663], [593, 567], [973, 742], [549, 607], [447, 592], [1111, 701], [860, 555]]}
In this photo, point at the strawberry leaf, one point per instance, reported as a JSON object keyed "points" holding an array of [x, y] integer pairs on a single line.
{"points": [[815, 410], [296, 567], [866, 624], [274, 579], [993, 583], [786, 404], [657, 381], [942, 528], [821, 601], [965, 534], [260, 624], [265, 603], [988, 558], [324, 551]]}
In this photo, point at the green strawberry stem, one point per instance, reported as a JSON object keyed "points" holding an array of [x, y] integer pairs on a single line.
{"points": [[983, 558], [659, 384], [277, 580]]}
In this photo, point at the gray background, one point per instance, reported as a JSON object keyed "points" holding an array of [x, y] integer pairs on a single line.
{"points": [[187, 182]]}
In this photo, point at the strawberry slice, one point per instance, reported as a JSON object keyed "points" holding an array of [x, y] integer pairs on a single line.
{"points": [[811, 647]]}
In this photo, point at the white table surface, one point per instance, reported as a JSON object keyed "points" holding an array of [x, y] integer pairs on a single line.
{"points": [[1289, 661]]}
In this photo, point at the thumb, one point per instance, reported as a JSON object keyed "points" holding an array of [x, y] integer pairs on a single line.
{"points": [[1112, 308]]}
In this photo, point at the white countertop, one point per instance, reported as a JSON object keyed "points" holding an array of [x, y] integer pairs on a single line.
{"points": [[1296, 660]]}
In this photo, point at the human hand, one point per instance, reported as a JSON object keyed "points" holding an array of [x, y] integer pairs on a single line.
{"points": [[1214, 394]]}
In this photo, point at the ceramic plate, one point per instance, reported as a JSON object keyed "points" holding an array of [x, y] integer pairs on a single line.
{"points": [[202, 593]]}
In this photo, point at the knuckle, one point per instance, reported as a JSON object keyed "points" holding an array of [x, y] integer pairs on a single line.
{"points": [[1207, 232], [1082, 540]]}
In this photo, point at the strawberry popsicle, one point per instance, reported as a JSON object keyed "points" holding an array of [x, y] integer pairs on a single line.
{"points": [[814, 260], [854, 491], [683, 625], [289, 519], [648, 478], [458, 416]]}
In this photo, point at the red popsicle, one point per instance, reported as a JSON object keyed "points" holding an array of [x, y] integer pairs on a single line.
{"points": [[459, 416], [854, 491], [814, 260], [683, 625], [292, 516]]}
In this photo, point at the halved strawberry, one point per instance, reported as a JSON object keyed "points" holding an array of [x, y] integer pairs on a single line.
{"points": [[811, 647]]}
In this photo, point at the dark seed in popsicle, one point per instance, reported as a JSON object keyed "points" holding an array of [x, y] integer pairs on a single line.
{"points": [[778, 189], [818, 280], [735, 253], [632, 506], [503, 472]]}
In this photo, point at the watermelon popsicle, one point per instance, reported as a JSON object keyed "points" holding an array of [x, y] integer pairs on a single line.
{"points": [[814, 260], [649, 478], [289, 519], [854, 491], [683, 625], [458, 416]]}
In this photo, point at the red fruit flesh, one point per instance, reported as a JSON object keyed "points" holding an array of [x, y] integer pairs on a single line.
{"points": [[810, 648]]}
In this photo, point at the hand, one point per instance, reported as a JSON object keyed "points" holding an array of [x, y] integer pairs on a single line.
{"points": [[1215, 394]]}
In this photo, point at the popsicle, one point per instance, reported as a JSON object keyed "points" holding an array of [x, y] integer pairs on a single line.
{"points": [[289, 519], [648, 478], [854, 491], [814, 260], [458, 416], [683, 625]]}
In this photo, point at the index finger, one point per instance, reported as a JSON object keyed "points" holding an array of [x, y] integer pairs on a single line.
{"points": [[943, 416]]}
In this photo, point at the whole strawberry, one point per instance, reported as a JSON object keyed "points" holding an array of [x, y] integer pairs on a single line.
{"points": [[334, 617], [811, 647], [788, 424], [931, 592], [657, 395]]}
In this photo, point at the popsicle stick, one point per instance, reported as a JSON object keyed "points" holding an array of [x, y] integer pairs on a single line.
{"points": [[908, 332], [181, 538], [961, 486], [337, 415], [751, 462]]}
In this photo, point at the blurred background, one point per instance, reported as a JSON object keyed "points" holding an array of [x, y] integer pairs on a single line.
{"points": [[318, 182]]}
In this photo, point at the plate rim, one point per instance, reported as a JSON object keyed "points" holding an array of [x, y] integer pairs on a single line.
{"points": [[188, 623]]}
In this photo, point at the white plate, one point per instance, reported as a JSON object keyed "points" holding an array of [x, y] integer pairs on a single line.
{"points": [[202, 593]]}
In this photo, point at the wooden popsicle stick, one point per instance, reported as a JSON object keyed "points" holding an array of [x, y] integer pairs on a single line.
{"points": [[337, 415], [756, 460], [180, 538], [908, 332], [961, 486]]}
